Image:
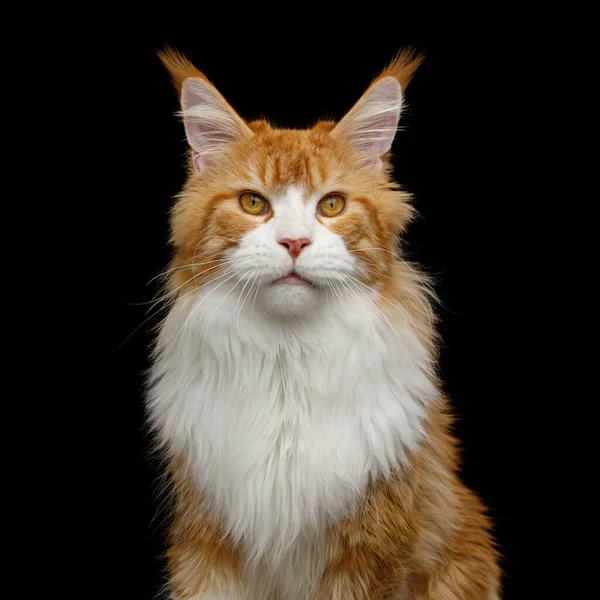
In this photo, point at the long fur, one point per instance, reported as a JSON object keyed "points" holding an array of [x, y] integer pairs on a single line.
{"points": [[309, 443]]}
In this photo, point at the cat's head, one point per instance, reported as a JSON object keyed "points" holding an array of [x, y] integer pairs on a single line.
{"points": [[288, 216]]}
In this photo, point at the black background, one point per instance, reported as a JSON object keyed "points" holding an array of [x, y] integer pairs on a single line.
{"points": [[457, 154]]}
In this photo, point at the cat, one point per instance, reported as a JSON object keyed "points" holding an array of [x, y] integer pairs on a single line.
{"points": [[293, 388]]}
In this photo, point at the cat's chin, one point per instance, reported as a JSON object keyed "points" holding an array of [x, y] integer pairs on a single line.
{"points": [[285, 299]]}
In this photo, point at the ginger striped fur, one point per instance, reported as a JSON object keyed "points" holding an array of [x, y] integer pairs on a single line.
{"points": [[294, 387]]}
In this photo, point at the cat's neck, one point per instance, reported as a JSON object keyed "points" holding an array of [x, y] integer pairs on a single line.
{"points": [[259, 406], [320, 357]]}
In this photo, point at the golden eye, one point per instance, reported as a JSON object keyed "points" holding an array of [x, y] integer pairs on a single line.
{"points": [[331, 205], [253, 203]]}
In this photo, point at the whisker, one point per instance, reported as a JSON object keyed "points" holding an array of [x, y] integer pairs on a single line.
{"points": [[250, 279], [220, 237], [365, 273], [260, 280], [200, 303], [152, 311], [173, 291], [170, 296], [188, 266], [335, 289], [246, 298], [378, 309], [362, 228], [395, 306], [374, 248], [349, 290], [195, 251], [214, 312], [408, 265], [331, 286]]}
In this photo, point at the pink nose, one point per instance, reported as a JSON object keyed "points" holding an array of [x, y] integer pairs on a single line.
{"points": [[294, 247]]}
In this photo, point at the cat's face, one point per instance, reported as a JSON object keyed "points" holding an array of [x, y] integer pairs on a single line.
{"points": [[287, 219], [295, 254]]}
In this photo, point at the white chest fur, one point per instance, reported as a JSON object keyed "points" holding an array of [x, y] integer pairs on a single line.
{"points": [[285, 423]]}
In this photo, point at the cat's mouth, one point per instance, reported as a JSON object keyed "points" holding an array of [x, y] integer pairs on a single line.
{"points": [[293, 279]]}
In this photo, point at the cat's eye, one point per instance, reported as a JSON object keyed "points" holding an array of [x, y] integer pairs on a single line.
{"points": [[253, 204], [331, 205]]}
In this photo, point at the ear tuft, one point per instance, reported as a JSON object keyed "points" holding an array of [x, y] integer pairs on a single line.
{"points": [[179, 67], [403, 67]]}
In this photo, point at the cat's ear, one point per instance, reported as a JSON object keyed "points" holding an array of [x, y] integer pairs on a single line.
{"points": [[210, 122], [370, 125]]}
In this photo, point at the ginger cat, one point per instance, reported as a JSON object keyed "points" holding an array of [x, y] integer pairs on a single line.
{"points": [[294, 388]]}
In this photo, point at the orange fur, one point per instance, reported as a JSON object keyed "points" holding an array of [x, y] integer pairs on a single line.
{"points": [[198, 549], [422, 531], [403, 67], [425, 534], [179, 67]]}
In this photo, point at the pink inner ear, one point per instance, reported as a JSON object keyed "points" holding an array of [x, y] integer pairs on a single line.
{"points": [[208, 133], [199, 163], [210, 123], [371, 125], [380, 133]]}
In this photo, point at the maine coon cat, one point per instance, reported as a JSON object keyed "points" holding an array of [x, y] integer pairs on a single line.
{"points": [[294, 389]]}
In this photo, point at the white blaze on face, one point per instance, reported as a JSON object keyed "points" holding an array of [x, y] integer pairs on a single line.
{"points": [[294, 218], [260, 256]]}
